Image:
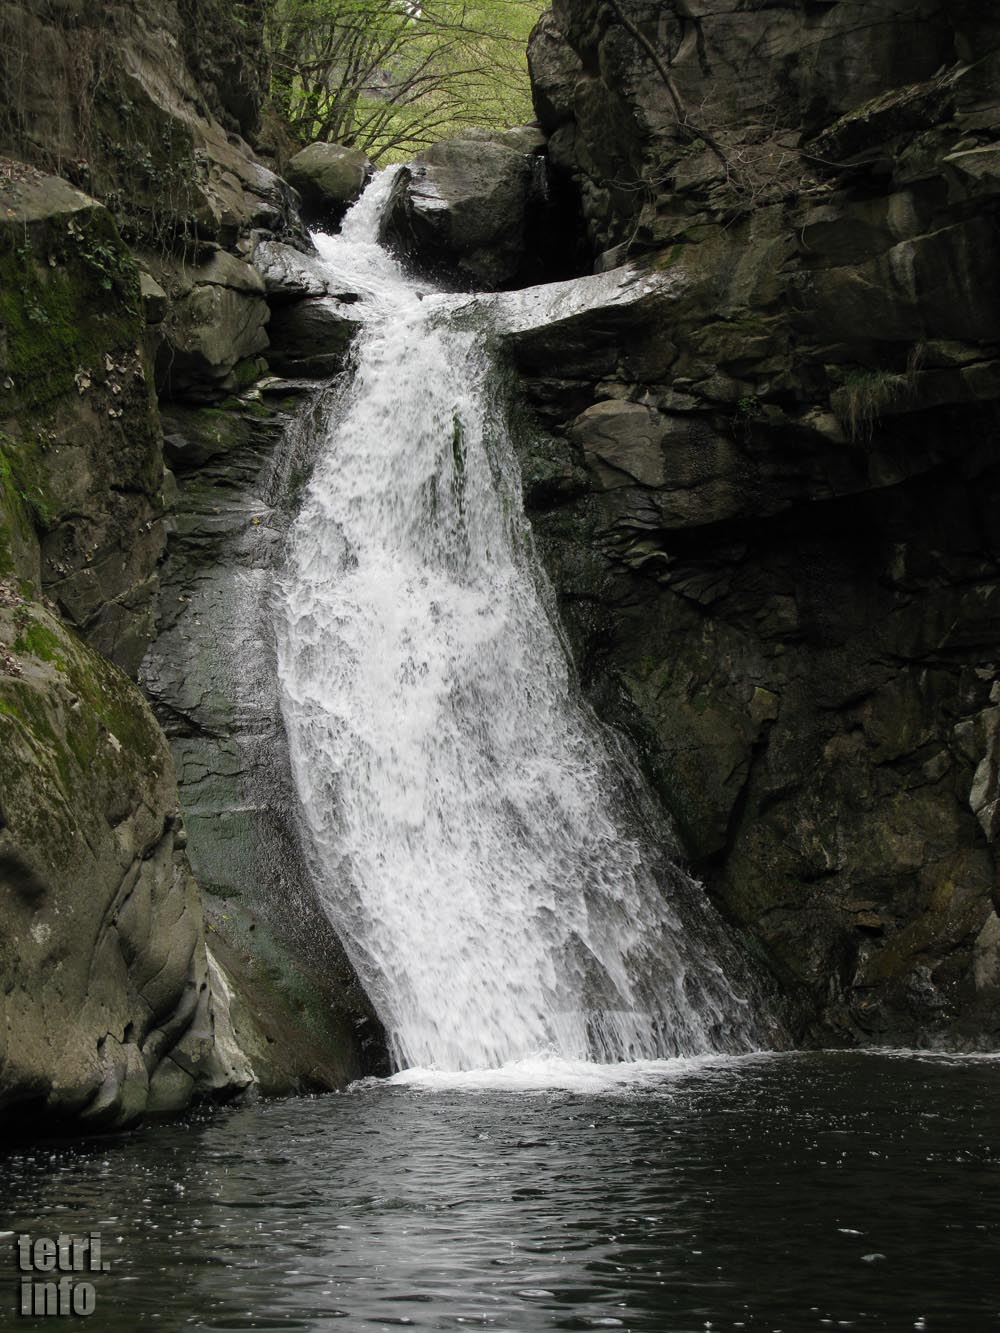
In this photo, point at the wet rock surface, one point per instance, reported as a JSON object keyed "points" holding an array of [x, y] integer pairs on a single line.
{"points": [[311, 324], [312, 338], [329, 178], [211, 675]]}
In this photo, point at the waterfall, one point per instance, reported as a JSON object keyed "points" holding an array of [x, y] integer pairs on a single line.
{"points": [[472, 832]]}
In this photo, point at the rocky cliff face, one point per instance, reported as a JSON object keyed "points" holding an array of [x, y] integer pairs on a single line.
{"points": [[82, 467], [765, 494], [131, 209]]}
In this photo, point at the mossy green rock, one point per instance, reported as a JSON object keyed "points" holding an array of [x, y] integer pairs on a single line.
{"points": [[107, 1008], [80, 455]]}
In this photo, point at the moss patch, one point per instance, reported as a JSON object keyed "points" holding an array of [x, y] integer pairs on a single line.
{"points": [[69, 296], [668, 258], [22, 484], [16, 529], [111, 701], [41, 642]]}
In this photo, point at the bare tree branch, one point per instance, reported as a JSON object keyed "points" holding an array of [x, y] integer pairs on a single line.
{"points": [[680, 110]]}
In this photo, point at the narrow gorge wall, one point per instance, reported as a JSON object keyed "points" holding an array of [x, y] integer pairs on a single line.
{"points": [[766, 497], [130, 208]]}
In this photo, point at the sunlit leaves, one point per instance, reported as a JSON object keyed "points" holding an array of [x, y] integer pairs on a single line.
{"points": [[391, 76]]}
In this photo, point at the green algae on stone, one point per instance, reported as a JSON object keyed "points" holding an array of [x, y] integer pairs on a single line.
{"points": [[57, 271], [80, 449]]}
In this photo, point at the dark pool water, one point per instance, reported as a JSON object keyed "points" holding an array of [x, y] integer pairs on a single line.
{"points": [[782, 1193]]}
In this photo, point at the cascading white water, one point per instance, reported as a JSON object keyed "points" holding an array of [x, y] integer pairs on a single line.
{"points": [[469, 836]]}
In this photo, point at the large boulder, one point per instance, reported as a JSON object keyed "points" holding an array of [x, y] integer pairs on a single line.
{"points": [[462, 208], [555, 70], [311, 326], [670, 468], [106, 1005], [329, 178], [289, 274], [214, 329]]}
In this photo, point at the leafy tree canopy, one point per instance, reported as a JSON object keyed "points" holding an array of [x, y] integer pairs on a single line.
{"points": [[392, 76]]}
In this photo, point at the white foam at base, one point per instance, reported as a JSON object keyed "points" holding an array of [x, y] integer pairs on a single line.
{"points": [[554, 1073]]}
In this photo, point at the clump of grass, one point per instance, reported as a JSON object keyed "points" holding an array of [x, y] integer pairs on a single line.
{"points": [[866, 395]]}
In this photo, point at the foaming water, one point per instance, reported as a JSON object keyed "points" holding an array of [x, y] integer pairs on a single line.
{"points": [[355, 257], [555, 1073], [476, 836]]}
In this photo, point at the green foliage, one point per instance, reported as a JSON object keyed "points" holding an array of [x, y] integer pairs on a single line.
{"points": [[14, 521], [666, 259], [393, 76], [748, 410], [864, 396]]}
